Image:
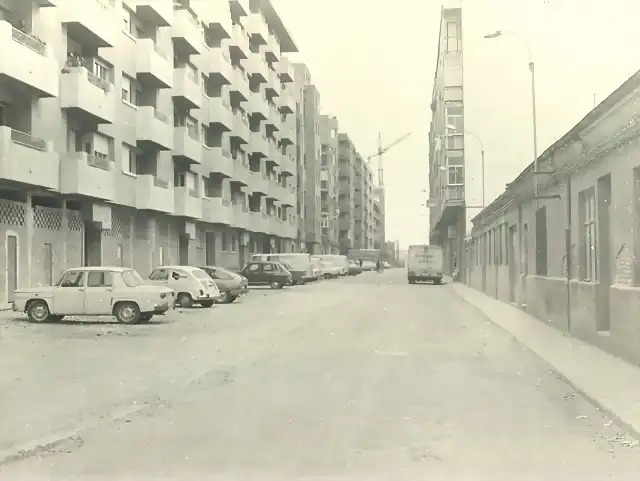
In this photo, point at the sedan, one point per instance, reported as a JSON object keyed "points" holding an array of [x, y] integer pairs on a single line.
{"points": [[230, 284]]}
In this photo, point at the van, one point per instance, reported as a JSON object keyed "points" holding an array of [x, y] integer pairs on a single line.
{"points": [[425, 263], [192, 285], [338, 261], [300, 265]]}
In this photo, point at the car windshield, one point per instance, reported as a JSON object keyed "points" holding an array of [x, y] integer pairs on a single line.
{"points": [[132, 279]]}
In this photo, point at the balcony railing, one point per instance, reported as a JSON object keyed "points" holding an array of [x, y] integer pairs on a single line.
{"points": [[29, 41], [163, 184], [193, 193], [160, 116], [28, 140]]}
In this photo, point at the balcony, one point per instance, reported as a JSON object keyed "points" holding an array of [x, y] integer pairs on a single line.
{"points": [[186, 32], [90, 98], [219, 66], [28, 160], [93, 23], [451, 200], [287, 196], [220, 113], [286, 102], [153, 129], [272, 49], [241, 217], [288, 130], [273, 85], [241, 173], [187, 144], [257, 67], [240, 86], [89, 176], [154, 194], [285, 69], [258, 183], [241, 127], [158, 13], [153, 66], [239, 43], [275, 155], [187, 203], [218, 161], [288, 163], [27, 62], [257, 28], [258, 222], [258, 106], [187, 92], [259, 145], [217, 210], [274, 190], [274, 121]]}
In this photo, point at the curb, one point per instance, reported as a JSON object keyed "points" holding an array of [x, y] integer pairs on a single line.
{"points": [[633, 431]]}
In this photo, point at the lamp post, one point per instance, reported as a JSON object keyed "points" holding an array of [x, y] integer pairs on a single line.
{"points": [[500, 33], [453, 128]]}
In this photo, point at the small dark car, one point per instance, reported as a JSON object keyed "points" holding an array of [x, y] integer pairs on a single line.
{"points": [[230, 284], [272, 274]]}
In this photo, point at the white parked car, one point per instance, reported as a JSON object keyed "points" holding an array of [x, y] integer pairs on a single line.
{"points": [[330, 271], [95, 291], [191, 285]]}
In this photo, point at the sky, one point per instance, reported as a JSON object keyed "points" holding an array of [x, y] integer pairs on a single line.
{"points": [[373, 62]]}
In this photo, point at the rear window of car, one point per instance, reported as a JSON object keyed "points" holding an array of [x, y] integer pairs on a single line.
{"points": [[200, 274]]}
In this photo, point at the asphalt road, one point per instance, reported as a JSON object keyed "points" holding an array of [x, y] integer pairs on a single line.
{"points": [[363, 377]]}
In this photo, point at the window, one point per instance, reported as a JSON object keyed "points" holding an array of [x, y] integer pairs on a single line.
{"points": [[541, 241], [101, 146], [253, 267], [128, 26], [72, 279], [159, 275], [455, 171], [268, 268], [128, 160], [130, 90], [120, 254], [100, 279], [454, 119], [102, 70], [588, 235], [225, 242], [452, 37], [455, 142], [161, 255], [132, 279]]}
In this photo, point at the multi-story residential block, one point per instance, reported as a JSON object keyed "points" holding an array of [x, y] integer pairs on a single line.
{"points": [[329, 188], [302, 78], [143, 132], [446, 144], [311, 153], [379, 218], [346, 192]]}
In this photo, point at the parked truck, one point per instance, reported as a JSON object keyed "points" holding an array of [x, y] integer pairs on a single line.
{"points": [[425, 263]]}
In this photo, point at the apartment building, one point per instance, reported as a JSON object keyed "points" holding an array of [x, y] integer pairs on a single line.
{"points": [[302, 78], [141, 133], [379, 226], [346, 193], [570, 257], [329, 188], [447, 214]]}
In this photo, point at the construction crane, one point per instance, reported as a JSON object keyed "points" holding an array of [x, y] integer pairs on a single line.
{"points": [[382, 150]]}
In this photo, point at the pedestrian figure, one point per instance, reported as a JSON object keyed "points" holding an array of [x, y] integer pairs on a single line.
{"points": [[360, 262]]}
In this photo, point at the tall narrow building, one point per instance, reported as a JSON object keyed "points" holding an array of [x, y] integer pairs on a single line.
{"points": [[329, 183], [447, 214], [346, 193]]}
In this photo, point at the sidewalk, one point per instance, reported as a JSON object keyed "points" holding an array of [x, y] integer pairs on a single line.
{"points": [[609, 382]]}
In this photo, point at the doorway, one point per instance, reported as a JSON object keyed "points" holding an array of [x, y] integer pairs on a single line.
{"points": [[12, 266], [603, 250], [183, 250], [92, 244], [512, 260], [210, 248], [48, 264]]}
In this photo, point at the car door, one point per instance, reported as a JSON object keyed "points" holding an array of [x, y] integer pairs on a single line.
{"points": [[68, 296], [98, 296], [269, 272], [253, 273]]}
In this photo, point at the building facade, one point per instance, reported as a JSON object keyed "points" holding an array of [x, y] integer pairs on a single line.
{"points": [[142, 133], [571, 256], [346, 193], [329, 188], [447, 215]]}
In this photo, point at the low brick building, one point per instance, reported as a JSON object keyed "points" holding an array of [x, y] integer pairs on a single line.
{"points": [[569, 256]]}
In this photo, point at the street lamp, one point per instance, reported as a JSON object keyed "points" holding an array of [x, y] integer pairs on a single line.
{"points": [[500, 33], [453, 128]]}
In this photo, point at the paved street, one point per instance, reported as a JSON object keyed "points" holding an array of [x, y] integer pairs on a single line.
{"points": [[364, 376]]}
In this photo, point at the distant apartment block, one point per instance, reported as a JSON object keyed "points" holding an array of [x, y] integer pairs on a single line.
{"points": [[329, 187], [144, 132], [447, 214]]}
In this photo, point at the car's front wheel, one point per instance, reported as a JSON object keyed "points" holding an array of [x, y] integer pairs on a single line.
{"points": [[275, 285], [127, 312], [38, 311]]}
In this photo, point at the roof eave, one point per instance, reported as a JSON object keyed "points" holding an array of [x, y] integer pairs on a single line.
{"points": [[287, 45]]}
